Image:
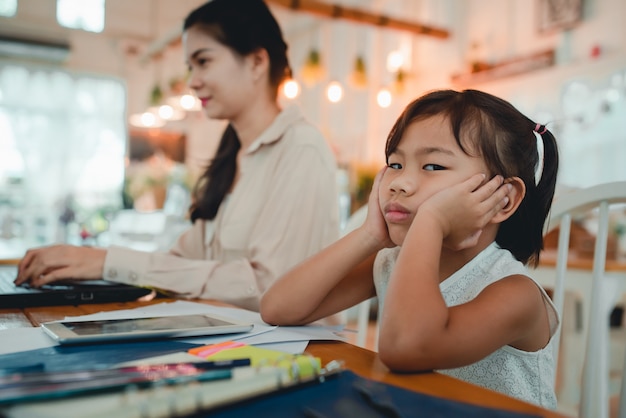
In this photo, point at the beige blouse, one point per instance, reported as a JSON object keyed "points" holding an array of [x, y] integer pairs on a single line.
{"points": [[282, 210]]}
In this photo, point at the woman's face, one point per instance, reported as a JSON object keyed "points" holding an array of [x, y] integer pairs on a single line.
{"points": [[427, 160], [223, 81]]}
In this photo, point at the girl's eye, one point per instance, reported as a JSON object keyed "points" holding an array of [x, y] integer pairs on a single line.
{"points": [[394, 166], [433, 167]]}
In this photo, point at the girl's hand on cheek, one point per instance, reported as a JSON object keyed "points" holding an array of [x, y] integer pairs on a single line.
{"points": [[375, 224], [463, 210]]}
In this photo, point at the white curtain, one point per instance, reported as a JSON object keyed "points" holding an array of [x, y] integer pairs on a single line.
{"points": [[62, 136]]}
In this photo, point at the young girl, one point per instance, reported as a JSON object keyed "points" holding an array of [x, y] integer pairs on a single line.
{"points": [[268, 198], [445, 249]]}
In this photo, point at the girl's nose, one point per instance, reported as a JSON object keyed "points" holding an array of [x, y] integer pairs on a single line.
{"points": [[402, 184]]}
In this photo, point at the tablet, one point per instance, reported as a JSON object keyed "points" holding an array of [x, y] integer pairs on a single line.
{"points": [[77, 332]]}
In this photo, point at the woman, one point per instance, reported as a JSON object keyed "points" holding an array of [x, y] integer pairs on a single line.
{"points": [[266, 201]]}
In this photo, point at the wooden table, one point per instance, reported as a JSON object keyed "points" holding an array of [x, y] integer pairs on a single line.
{"points": [[361, 361], [575, 261]]}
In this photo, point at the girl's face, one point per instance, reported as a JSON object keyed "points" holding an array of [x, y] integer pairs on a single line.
{"points": [[427, 160], [223, 81]]}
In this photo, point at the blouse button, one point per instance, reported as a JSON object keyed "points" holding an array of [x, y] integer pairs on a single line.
{"points": [[133, 277], [112, 274]]}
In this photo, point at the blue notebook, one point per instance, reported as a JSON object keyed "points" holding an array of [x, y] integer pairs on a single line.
{"points": [[64, 358], [349, 395]]}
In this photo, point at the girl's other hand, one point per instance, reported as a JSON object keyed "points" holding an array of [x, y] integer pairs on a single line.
{"points": [[44, 265], [466, 208], [375, 224]]}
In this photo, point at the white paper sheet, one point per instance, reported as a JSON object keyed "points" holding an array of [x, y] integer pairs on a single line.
{"points": [[290, 339], [23, 339]]}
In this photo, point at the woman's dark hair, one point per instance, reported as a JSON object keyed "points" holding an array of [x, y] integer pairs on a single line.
{"points": [[244, 26], [492, 128]]}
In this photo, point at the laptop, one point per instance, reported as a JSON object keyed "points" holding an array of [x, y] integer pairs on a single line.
{"points": [[67, 292]]}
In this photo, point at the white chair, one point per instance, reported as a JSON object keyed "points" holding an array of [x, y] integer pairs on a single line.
{"points": [[145, 231], [363, 309], [605, 289]]}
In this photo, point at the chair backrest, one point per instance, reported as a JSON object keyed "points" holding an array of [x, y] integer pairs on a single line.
{"points": [[596, 200], [363, 309], [145, 231]]}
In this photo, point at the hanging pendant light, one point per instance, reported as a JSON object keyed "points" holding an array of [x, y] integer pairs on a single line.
{"points": [[399, 82], [313, 70], [358, 76], [156, 95]]}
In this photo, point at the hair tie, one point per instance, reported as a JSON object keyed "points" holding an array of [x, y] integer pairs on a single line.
{"points": [[540, 129]]}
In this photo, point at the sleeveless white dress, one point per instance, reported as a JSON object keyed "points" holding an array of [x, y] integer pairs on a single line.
{"points": [[528, 376]]}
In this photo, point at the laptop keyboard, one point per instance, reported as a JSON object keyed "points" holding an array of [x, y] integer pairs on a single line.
{"points": [[63, 292], [7, 276]]}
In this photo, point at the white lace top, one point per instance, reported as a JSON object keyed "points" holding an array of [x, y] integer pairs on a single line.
{"points": [[524, 375]]}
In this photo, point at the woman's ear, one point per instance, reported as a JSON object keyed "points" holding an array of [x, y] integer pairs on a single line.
{"points": [[516, 195], [260, 63]]}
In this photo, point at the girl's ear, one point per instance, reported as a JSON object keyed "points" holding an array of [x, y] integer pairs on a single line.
{"points": [[516, 195]]}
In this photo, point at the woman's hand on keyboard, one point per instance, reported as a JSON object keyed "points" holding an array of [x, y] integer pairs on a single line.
{"points": [[44, 265]]}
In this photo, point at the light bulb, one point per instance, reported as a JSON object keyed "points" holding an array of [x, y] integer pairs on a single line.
{"points": [[383, 98], [135, 120], [146, 119], [291, 89], [334, 92], [394, 61], [188, 102], [166, 111]]}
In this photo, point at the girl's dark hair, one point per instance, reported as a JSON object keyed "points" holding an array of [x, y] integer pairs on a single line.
{"points": [[244, 26], [484, 124]]}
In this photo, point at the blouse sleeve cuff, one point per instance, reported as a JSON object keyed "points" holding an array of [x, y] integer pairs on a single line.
{"points": [[124, 265]]}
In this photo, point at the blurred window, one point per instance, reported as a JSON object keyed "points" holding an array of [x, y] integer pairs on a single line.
{"points": [[63, 140], [81, 14], [8, 8]]}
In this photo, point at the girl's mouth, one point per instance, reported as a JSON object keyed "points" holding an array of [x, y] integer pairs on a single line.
{"points": [[396, 213]]}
